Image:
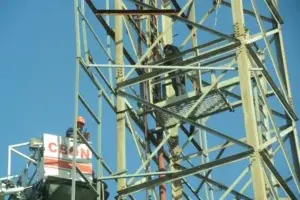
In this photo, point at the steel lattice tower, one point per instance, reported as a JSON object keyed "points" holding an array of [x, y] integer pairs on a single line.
{"points": [[230, 135]]}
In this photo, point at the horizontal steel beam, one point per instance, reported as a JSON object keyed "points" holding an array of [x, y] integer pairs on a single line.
{"points": [[259, 36], [184, 173], [138, 12], [135, 175], [205, 55], [187, 51], [191, 23], [206, 64], [166, 67]]}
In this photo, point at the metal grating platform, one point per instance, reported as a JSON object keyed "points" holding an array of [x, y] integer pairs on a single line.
{"points": [[213, 102]]}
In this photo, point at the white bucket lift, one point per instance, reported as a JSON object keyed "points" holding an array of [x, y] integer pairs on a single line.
{"points": [[51, 163]]}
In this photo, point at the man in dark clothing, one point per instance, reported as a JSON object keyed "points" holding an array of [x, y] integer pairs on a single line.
{"points": [[80, 125], [178, 82]]}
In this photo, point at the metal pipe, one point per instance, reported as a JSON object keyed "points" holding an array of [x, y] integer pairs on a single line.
{"points": [[19, 145], [9, 162], [84, 37], [13, 190], [137, 175], [21, 154], [76, 100], [9, 177], [100, 186]]}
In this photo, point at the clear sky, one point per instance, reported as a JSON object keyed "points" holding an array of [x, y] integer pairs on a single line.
{"points": [[37, 54]]}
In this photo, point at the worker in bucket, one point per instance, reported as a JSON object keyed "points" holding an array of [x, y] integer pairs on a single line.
{"points": [[80, 125]]}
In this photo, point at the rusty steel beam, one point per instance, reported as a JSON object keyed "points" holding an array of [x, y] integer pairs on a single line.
{"points": [[138, 12]]}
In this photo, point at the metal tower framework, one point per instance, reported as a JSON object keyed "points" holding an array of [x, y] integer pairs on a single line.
{"points": [[176, 144]]}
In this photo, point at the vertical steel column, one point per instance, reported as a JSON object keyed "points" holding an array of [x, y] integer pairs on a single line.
{"points": [[247, 100], [121, 137], [265, 120], [203, 160], [100, 186], [147, 97], [257, 112], [84, 36], [9, 162], [166, 21], [76, 100], [192, 16], [108, 43]]}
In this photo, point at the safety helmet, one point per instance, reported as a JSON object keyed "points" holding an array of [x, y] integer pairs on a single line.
{"points": [[80, 120]]}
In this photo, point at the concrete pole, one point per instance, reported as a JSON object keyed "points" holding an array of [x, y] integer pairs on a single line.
{"points": [[244, 66], [121, 137]]}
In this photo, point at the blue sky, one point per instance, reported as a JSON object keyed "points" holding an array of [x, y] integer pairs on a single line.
{"points": [[37, 53]]}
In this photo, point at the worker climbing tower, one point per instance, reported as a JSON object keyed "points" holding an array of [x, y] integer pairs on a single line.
{"points": [[184, 99]]}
